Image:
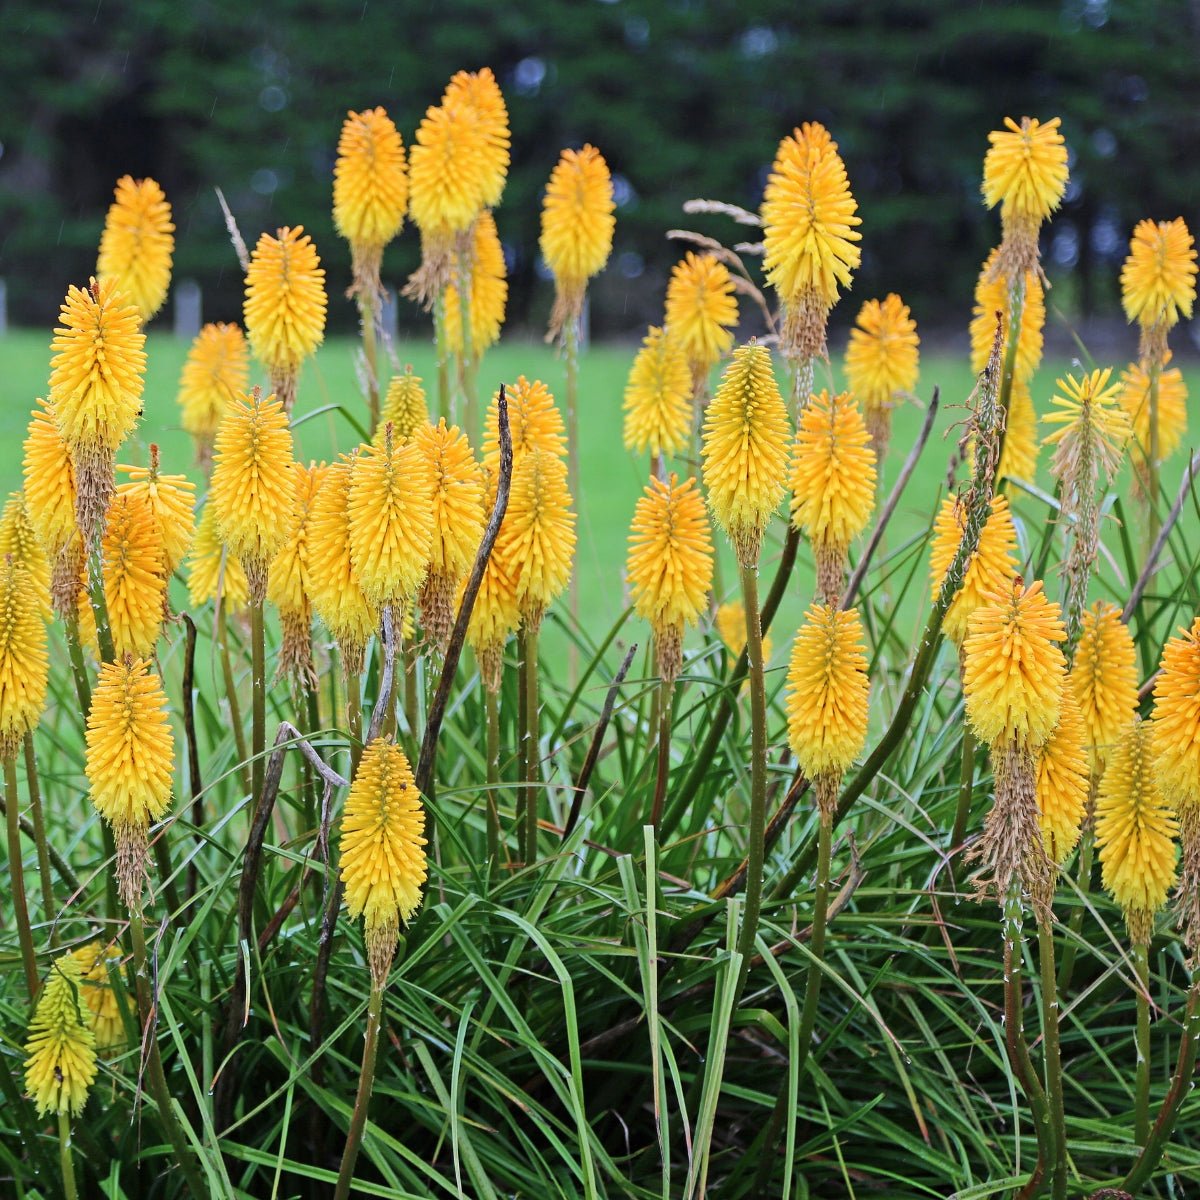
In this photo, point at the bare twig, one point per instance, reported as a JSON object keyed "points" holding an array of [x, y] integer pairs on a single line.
{"points": [[385, 682], [235, 236], [742, 216]]}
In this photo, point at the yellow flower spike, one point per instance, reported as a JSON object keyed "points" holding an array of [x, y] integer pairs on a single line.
{"points": [[1062, 780], [495, 614], [60, 1063], [49, 481], [336, 593], [1176, 721], [285, 305], [404, 406], [990, 569], [658, 408], [1135, 832], [577, 230], [129, 760], [1158, 280], [137, 243], [213, 572], [731, 629], [533, 421], [289, 580], [538, 534], [1013, 667], [382, 850], [458, 521], [96, 381], [135, 582], [103, 1014], [670, 565], [833, 484], [882, 361], [1090, 420], [479, 94], [216, 370], [24, 663], [744, 453], [992, 297], [1104, 676], [701, 310], [1172, 408], [370, 191], [489, 291], [827, 695], [252, 483], [19, 541], [1019, 458], [810, 233], [172, 500]]}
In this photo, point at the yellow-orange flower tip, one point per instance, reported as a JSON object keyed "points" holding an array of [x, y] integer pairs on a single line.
{"points": [[252, 484], [658, 408], [1158, 280], [1013, 668], [172, 501], [1104, 675], [1019, 458], [827, 696], [1176, 721], [404, 406], [129, 760], [382, 850], [18, 541], [1172, 408], [745, 450], [336, 593], [701, 310], [135, 582], [487, 295], [216, 370], [577, 230], [731, 629], [1135, 832], [495, 614], [479, 94], [24, 663], [458, 521], [833, 484], [537, 538], [137, 243], [60, 1048], [1062, 780], [533, 421], [213, 572], [370, 192], [992, 296], [990, 569], [810, 234], [49, 481], [285, 305], [102, 1007], [883, 353], [1091, 424], [670, 564]]}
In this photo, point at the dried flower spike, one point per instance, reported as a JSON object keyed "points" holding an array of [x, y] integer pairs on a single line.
{"points": [[60, 1063], [137, 243]]}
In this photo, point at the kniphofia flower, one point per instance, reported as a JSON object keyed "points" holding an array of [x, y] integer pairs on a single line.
{"points": [[882, 362], [404, 406], [60, 1048], [1062, 780], [19, 542], [533, 421], [103, 1013], [701, 310], [1176, 724], [171, 499], [479, 94], [495, 614], [1090, 423], [216, 370], [731, 629], [1158, 280], [488, 292], [670, 565], [1172, 409], [214, 573], [24, 664], [658, 395], [992, 296], [135, 578], [137, 243], [49, 481], [382, 850], [1104, 675], [744, 454], [1019, 458]]}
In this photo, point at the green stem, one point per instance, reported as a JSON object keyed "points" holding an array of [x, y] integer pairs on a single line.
{"points": [[443, 356], [39, 835], [1152, 521], [1141, 1123], [529, 661], [1008, 371], [491, 703], [99, 605], [231, 696], [367, 318], [79, 670], [966, 783], [362, 1101], [65, 1161], [663, 772], [1053, 1052], [1075, 924], [466, 381], [258, 700], [17, 872], [571, 354], [354, 716], [408, 664]]}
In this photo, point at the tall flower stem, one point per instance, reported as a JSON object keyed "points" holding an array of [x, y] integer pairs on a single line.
{"points": [[571, 356], [39, 833], [966, 787], [1008, 370], [79, 671], [99, 604], [443, 356], [16, 869], [1053, 1052], [65, 1161], [354, 718], [258, 699], [231, 696], [491, 704], [529, 679], [1152, 521], [466, 358], [368, 315], [362, 1101], [663, 771], [1087, 849], [1141, 1122]]}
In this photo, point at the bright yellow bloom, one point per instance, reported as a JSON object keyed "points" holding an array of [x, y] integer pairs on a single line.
{"points": [[1025, 169], [370, 183], [1177, 719], [135, 583], [882, 356], [103, 1013], [577, 229], [216, 370], [495, 613], [49, 481], [1013, 669], [1172, 407], [1135, 832], [745, 450], [810, 233], [992, 297], [213, 571], [172, 500], [701, 309], [990, 569], [136, 246], [1062, 780], [449, 176], [19, 540], [1090, 417], [658, 397], [731, 628], [404, 406], [533, 421], [488, 294], [24, 664], [479, 94], [1104, 675], [1158, 280], [1019, 458], [252, 484], [538, 534], [828, 690], [60, 1066], [670, 564], [383, 850], [128, 762]]}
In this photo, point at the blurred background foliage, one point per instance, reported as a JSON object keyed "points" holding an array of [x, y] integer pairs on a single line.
{"points": [[685, 98]]}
